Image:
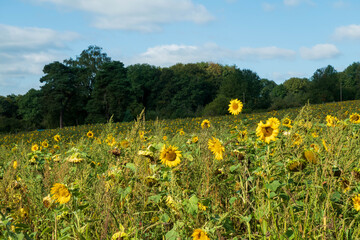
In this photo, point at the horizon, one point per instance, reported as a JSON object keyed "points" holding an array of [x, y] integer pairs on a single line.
{"points": [[276, 39]]}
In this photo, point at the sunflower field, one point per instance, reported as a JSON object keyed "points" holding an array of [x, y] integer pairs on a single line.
{"points": [[289, 174]]}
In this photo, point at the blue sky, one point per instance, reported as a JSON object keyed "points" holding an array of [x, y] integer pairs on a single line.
{"points": [[277, 39]]}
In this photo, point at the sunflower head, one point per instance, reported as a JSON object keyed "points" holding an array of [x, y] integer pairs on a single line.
{"points": [[287, 122], [60, 193], [205, 124], [47, 201], [267, 131], [45, 144], [331, 121], [355, 118], [296, 165], [170, 156], [356, 202], [195, 139], [310, 156], [274, 122], [34, 147], [90, 134], [235, 106], [199, 234], [296, 139], [216, 148], [57, 138]]}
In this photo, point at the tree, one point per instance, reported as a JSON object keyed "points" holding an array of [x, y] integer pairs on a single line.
{"points": [[30, 108], [58, 90], [325, 85], [112, 94], [350, 79]]}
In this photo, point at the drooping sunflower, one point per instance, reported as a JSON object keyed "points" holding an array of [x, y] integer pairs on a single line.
{"points": [[287, 122], [57, 138], [34, 147], [60, 193], [90, 134], [205, 124], [199, 234], [331, 121], [47, 201], [170, 156], [267, 131], [355, 118], [356, 202], [216, 148], [235, 106], [310, 156]]}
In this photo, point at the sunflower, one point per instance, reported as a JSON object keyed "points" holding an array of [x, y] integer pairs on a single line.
{"points": [[267, 132], [47, 201], [195, 139], [287, 122], [296, 139], [331, 121], [310, 156], [57, 138], [274, 122], [201, 206], [15, 164], [356, 202], [235, 106], [75, 158], [199, 234], [125, 143], [205, 124], [45, 144], [170, 156], [60, 193], [164, 138], [216, 148], [34, 147], [90, 134], [355, 118], [296, 165]]}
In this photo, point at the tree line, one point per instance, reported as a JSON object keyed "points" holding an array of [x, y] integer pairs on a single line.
{"points": [[92, 88]]}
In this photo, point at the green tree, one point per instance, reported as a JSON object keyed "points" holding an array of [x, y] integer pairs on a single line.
{"points": [[30, 109], [325, 85]]}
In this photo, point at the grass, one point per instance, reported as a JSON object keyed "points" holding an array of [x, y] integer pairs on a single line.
{"points": [[301, 186]]}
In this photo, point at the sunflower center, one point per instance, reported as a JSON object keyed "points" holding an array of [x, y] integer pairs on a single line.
{"points": [[267, 131], [235, 106], [355, 118], [170, 156]]}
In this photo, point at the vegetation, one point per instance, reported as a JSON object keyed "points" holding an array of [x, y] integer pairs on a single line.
{"points": [[92, 88], [289, 174]]}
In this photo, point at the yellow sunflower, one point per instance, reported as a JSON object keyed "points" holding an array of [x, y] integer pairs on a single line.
{"points": [[90, 134], [195, 139], [199, 234], [57, 138], [235, 106], [15, 164], [355, 118], [170, 156], [164, 138], [267, 131], [60, 193], [331, 121], [356, 202], [310, 156], [274, 122], [287, 122], [45, 144], [34, 147], [205, 124], [216, 148]]}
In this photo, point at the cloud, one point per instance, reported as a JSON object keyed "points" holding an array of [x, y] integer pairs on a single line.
{"points": [[138, 15], [268, 7], [292, 3], [351, 32], [319, 52], [339, 4], [167, 55], [25, 51]]}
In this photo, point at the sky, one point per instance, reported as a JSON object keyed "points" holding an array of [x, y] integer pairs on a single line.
{"points": [[277, 39]]}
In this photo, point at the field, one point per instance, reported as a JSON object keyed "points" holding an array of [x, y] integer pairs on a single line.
{"points": [[245, 176]]}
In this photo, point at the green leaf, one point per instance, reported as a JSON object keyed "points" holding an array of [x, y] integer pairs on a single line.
{"points": [[155, 198], [273, 186], [232, 200], [234, 167], [172, 235], [164, 218], [131, 166]]}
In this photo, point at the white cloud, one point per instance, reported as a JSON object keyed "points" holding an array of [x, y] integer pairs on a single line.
{"points": [[319, 52], [139, 15], [167, 55], [351, 32], [25, 51], [297, 2], [268, 7]]}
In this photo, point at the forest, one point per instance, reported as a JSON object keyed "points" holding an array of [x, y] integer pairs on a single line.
{"points": [[92, 88]]}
